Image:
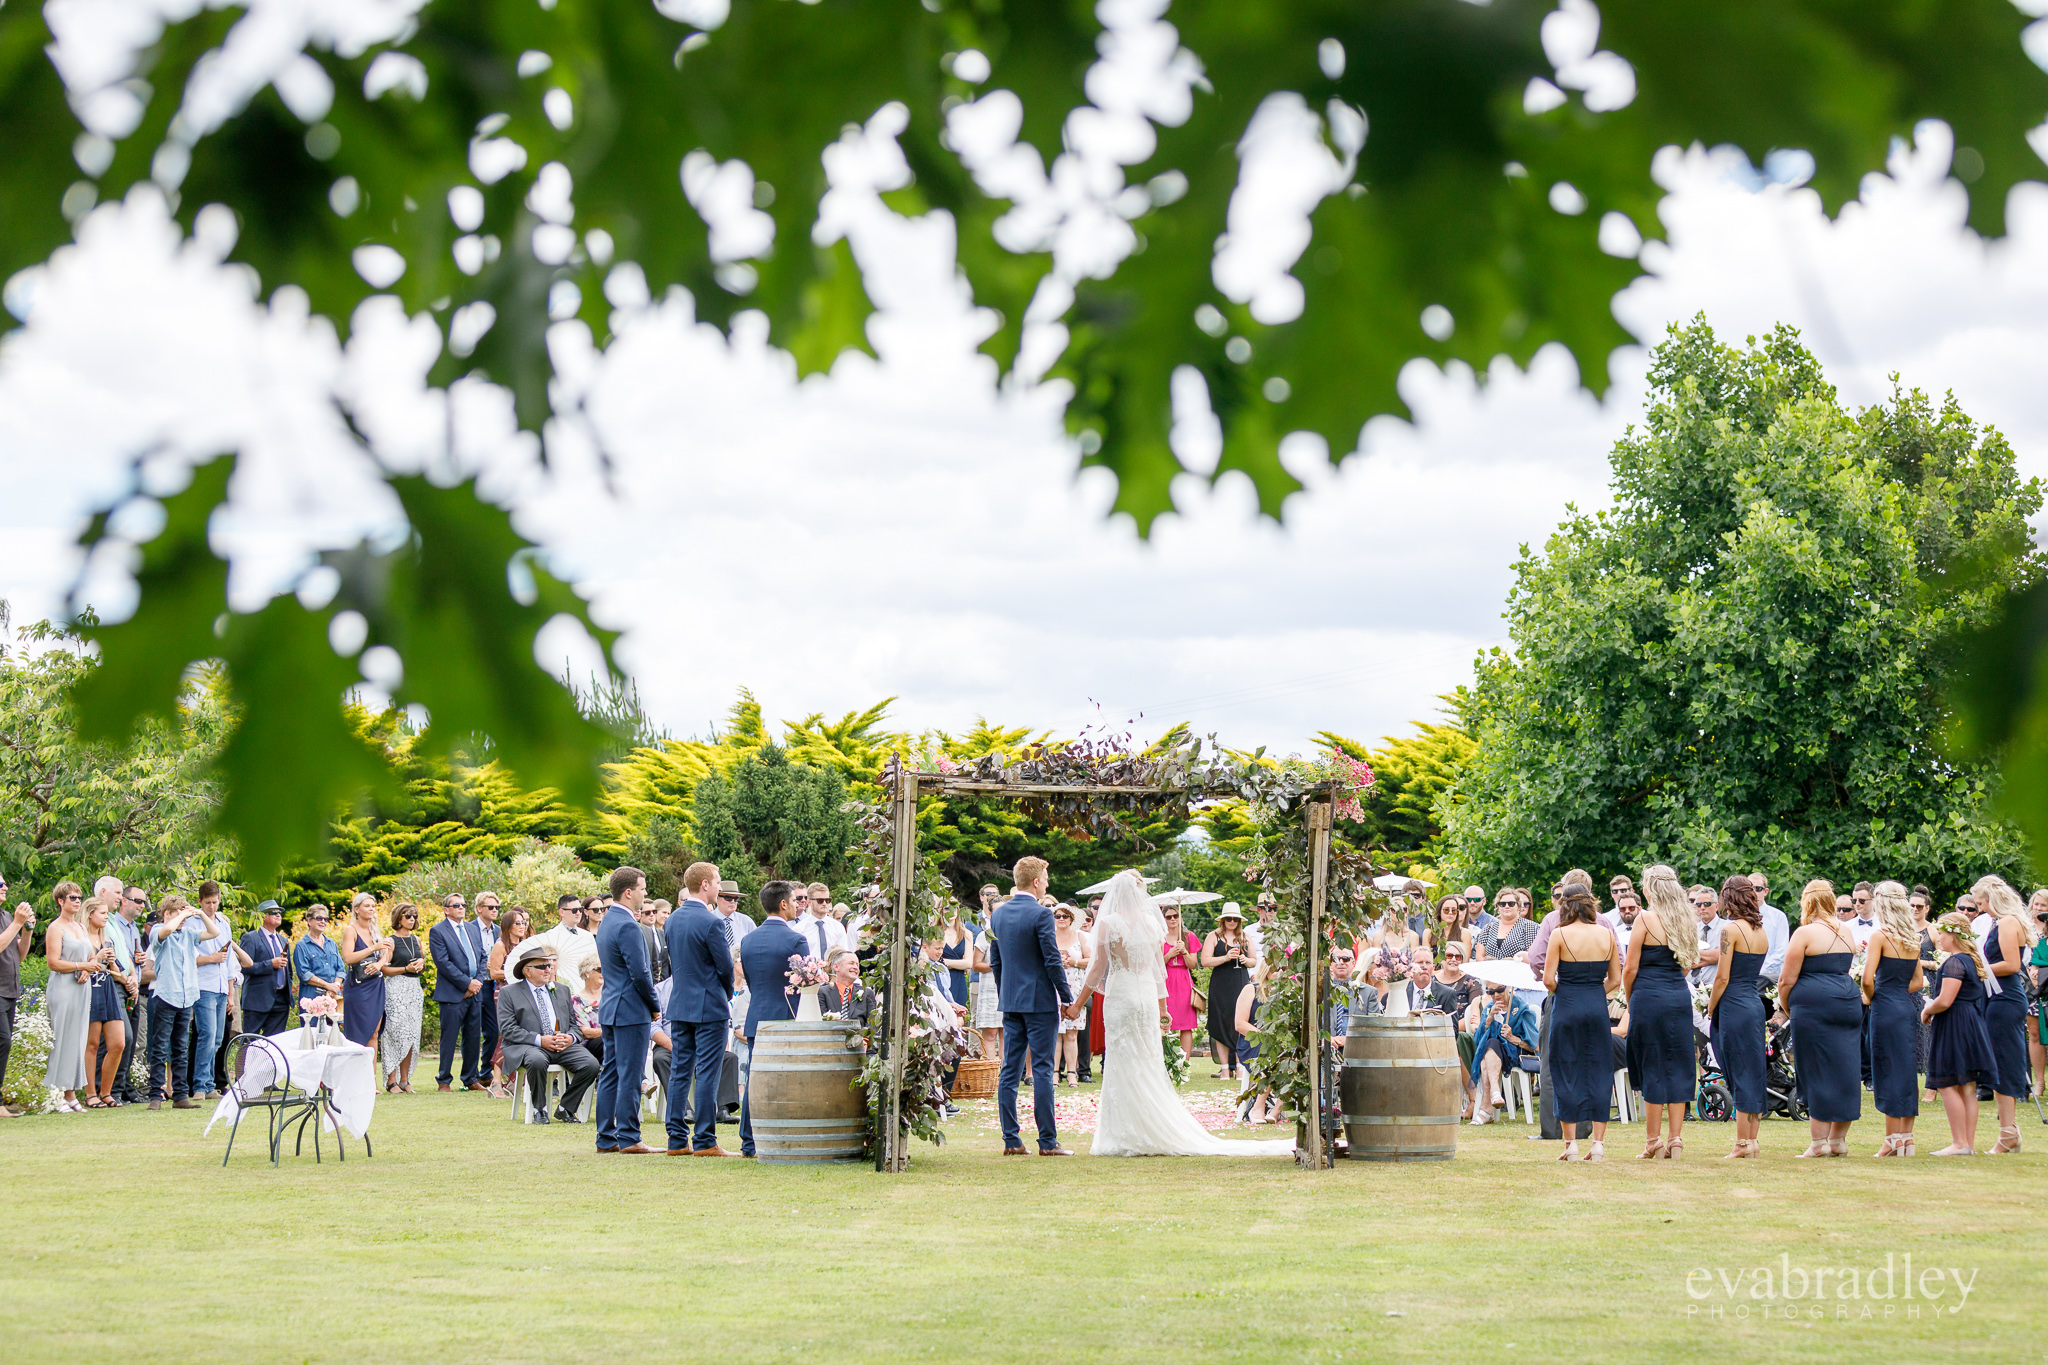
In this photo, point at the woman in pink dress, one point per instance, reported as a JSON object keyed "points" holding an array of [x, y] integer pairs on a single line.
{"points": [[1181, 949]]}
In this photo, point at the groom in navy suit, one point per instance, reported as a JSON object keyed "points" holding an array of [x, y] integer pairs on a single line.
{"points": [[1031, 986], [699, 1012], [626, 1013], [764, 961]]}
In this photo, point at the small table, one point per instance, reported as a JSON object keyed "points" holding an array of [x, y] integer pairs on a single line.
{"points": [[348, 1071]]}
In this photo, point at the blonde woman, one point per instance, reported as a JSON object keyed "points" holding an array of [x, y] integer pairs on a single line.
{"points": [[1256, 1105], [1892, 980], [1959, 1053], [1662, 947], [2007, 942], [1580, 966], [109, 1019], [364, 951], [67, 943], [1827, 1020]]}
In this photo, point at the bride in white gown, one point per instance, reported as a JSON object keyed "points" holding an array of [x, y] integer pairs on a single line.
{"points": [[1141, 1114]]}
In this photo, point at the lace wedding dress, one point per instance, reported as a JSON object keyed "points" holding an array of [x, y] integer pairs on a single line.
{"points": [[1141, 1114]]}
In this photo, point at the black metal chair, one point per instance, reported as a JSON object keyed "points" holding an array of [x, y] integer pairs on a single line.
{"points": [[319, 1112], [278, 1098]]}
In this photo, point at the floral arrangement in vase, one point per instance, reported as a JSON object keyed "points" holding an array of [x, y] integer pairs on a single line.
{"points": [[805, 973]]}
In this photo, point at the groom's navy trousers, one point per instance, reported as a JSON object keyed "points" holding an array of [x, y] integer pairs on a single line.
{"points": [[1040, 1032]]}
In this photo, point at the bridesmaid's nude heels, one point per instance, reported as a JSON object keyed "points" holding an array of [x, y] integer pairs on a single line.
{"points": [[1674, 1149], [1744, 1147], [2008, 1141], [1652, 1149], [1570, 1152], [1598, 1152], [1896, 1144]]}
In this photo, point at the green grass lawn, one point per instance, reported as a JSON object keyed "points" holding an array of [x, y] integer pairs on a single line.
{"points": [[471, 1238]]}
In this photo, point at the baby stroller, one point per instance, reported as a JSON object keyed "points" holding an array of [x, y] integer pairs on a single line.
{"points": [[1781, 1084]]}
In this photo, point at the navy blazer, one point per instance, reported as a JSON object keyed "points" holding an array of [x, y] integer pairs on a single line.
{"points": [[628, 981], [451, 982], [764, 956], [1021, 933], [264, 988], [699, 965]]}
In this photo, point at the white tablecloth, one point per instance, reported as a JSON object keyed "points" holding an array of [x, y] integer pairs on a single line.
{"points": [[348, 1070]]}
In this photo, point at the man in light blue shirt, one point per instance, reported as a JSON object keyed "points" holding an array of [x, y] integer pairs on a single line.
{"points": [[216, 974], [175, 946], [1777, 928]]}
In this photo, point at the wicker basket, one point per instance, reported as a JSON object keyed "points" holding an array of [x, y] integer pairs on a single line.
{"points": [[976, 1081]]}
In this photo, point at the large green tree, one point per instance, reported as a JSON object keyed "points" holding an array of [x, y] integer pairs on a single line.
{"points": [[464, 154], [1740, 664], [74, 809]]}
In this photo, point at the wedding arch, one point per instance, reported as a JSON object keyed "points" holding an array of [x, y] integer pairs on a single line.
{"points": [[1092, 788]]}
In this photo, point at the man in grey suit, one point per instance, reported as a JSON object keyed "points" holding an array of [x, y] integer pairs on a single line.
{"points": [[535, 1023]]}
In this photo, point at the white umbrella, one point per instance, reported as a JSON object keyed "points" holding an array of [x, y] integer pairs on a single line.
{"points": [[1180, 897], [1507, 972], [1102, 888], [1393, 881]]}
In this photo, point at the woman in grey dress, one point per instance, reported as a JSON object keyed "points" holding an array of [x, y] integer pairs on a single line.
{"points": [[68, 945], [404, 1003]]}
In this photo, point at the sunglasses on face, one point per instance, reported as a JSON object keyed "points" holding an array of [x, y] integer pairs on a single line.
{"points": [[70, 898], [728, 898]]}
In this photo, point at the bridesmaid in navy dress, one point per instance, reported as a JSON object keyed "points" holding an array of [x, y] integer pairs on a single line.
{"points": [[1827, 1020], [1891, 982], [2005, 945], [1580, 968], [1737, 1009], [1959, 1050], [1663, 946]]}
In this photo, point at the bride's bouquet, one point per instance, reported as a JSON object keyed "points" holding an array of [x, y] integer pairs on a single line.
{"points": [[1176, 1059], [1701, 996]]}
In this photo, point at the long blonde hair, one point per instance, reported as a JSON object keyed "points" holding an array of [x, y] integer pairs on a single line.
{"points": [[1993, 893], [1895, 917], [1817, 902], [1665, 896]]}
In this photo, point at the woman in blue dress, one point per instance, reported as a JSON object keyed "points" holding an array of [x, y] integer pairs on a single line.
{"points": [[2005, 949], [1892, 979], [1827, 1020], [1662, 947], [1581, 966], [1958, 1049], [1737, 1009]]}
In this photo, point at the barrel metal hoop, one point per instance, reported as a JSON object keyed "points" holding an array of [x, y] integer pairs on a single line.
{"points": [[1434, 1064], [1424, 1119], [806, 1066], [810, 1123]]}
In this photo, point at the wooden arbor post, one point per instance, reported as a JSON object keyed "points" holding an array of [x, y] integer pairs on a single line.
{"points": [[891, 1156], [1319, 818]]}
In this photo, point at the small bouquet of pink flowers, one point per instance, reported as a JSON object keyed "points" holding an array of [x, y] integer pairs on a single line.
{"points": [[322, 1006], [1395, 962], [805, 972]]}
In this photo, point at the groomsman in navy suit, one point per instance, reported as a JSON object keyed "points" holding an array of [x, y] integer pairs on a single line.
{"points": [[699, 1012], [626, 1014], [764, 958]]}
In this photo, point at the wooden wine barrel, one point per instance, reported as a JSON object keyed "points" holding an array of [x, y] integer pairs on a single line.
{"points": [[1400, 1091], [800, 1093]]}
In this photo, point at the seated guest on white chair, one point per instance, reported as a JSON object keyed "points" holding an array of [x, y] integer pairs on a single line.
{"points": [[537, 1026]]}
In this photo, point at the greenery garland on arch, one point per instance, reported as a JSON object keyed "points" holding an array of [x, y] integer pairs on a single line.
{"points": [[1178, 769]]}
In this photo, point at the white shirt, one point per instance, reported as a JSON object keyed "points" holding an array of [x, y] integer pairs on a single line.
{"points": [[1859, 930], [821, 932], [1778, 930], [216, 977], [1612, 919], [575, 950]]}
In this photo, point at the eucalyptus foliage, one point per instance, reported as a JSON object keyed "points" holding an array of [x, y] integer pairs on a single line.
{"points": [[532, 166], [1740, 666]]}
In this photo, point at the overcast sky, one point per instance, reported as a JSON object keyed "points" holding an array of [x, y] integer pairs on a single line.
{"points": [[900, 529]]}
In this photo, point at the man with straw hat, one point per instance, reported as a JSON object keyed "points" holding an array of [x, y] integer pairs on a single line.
{"points": [[536, 1024]]}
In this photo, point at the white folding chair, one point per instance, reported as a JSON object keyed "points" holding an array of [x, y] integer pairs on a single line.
{"points": [[523, 1111], [1623, 1097]]}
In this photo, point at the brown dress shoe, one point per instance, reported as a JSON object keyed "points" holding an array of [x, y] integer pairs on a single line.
{"points": [[183, 1104], [678, 1151], [713, 1150], [607, 1151], [1054, 1151], [637, 1149], [444, 1087], [1015, 1151], [476, 1085], [155, 1105]]}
